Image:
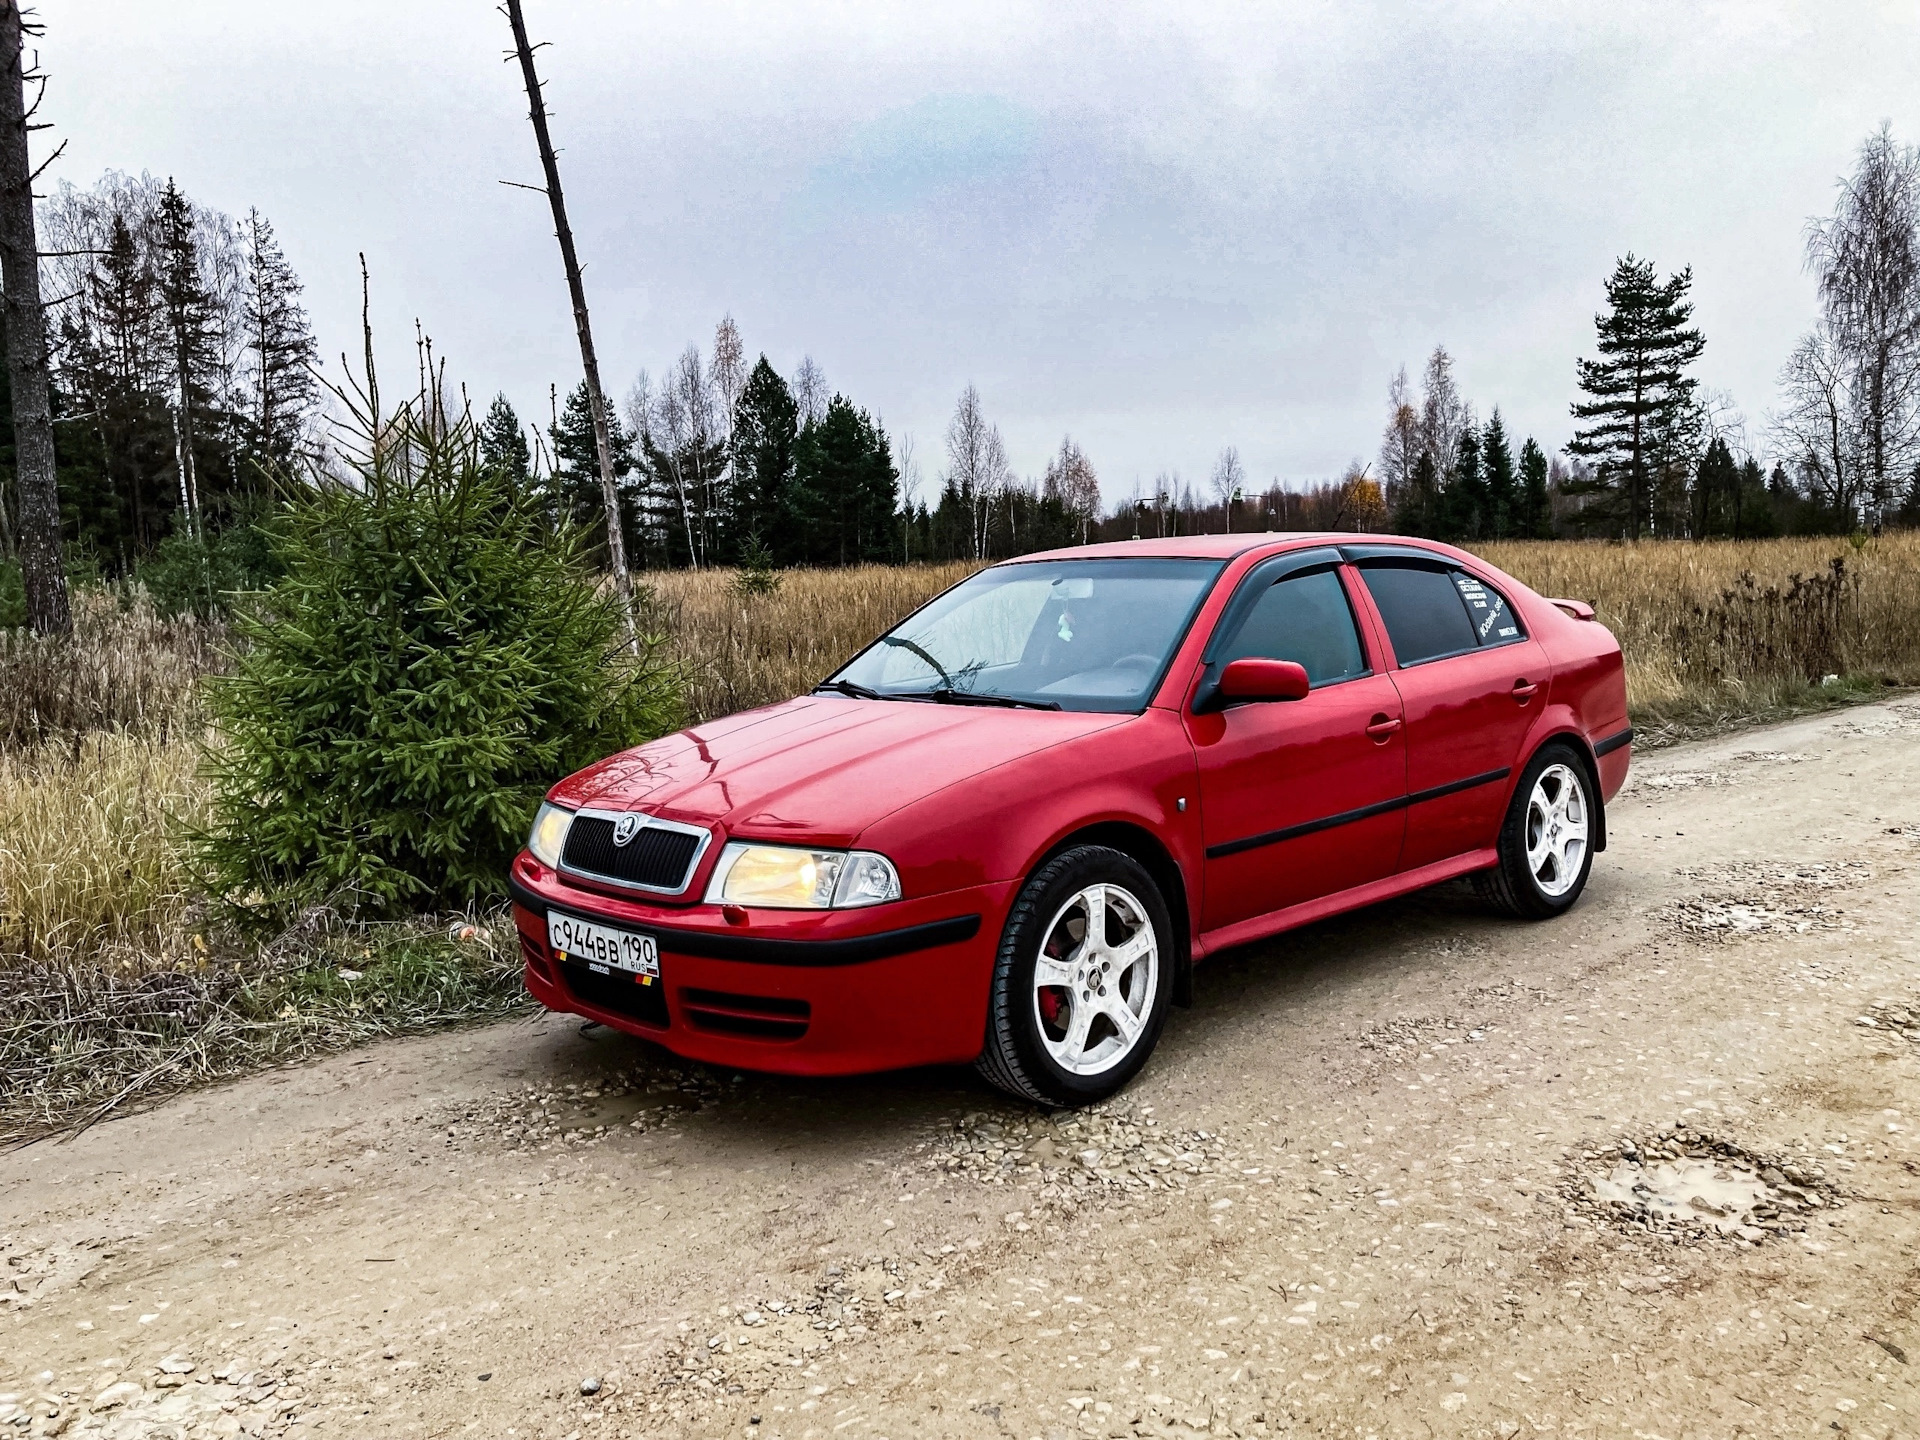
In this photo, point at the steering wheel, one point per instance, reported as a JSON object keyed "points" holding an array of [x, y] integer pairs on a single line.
{"points": [[1140, 658]]}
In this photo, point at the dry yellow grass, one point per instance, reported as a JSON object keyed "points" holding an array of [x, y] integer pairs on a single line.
{"points": [[746, 650], [1696, 655], [1717, 631], [90, 860]]}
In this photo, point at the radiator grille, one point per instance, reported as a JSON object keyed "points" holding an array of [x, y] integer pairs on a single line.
{"points": [[658, 858]]}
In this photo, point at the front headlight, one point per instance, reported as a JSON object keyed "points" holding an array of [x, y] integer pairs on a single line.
{"points": [[549, 835], [783, 877]]}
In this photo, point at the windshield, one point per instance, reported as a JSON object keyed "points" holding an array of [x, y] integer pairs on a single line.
{"points": [[1067, 634]]}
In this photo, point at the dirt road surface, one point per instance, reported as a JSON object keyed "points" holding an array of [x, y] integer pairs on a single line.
{"points": [[1415, 1172]]}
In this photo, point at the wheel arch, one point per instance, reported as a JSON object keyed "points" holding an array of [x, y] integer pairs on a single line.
{"points": [[1143, 846]]}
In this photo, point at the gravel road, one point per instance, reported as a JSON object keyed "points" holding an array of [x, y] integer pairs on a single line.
{"points": [[1648, 1170]]}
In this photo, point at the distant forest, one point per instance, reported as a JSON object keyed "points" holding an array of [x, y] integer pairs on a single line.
{"points": [[186, 388]]}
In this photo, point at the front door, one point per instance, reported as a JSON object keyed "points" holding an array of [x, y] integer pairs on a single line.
{"points": [[1299, 798], [1472, 682]]}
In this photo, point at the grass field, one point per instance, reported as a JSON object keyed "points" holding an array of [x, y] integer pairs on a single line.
{"points": [[1702, 647], [114, 979]]}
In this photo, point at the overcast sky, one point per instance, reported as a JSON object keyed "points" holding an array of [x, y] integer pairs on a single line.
{"points": [[1163, 228]]}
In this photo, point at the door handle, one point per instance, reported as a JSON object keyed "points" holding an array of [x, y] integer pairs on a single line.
{"points": [[1382, 728], [1523, 690]]}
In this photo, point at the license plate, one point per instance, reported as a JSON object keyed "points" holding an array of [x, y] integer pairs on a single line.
{"points": [[603, 949]]}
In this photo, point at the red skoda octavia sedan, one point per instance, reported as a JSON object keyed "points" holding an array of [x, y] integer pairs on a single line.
{"points": [[1006, 831]]}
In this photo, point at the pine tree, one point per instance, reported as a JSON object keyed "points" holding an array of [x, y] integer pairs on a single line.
{"points": [[1416, 507], [1716, 492], [575, 496], [848, 488], [503, 446], [760, 502], [280, 346], [1634, 424], [1535, 518], [1502, 496], [1463, 504]]}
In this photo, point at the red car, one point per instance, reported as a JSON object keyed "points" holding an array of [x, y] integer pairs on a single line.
{"points": [[1006, 831]]}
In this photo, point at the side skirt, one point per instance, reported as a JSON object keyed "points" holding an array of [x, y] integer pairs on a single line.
{"points": [[1389, 887]]}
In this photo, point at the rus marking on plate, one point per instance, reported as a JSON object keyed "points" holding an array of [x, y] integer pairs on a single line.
{"points": [[625, 828]]}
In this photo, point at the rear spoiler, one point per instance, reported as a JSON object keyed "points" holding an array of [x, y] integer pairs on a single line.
{"points": [[1578, 609]]}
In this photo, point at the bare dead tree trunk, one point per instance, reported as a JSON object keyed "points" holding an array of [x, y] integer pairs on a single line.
{"points": [[596, 398], [48, 610]]}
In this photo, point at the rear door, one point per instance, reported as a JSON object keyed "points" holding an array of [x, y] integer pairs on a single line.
{"points": [[1299, 798], [1471, 680]]}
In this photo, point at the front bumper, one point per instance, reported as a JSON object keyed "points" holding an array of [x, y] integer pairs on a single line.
{"points": [[814, 992]]}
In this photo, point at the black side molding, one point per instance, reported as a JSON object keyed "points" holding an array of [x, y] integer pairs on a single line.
{"points": [[1613, 742], [760, 951], [1347, 817], [1454, 787]]}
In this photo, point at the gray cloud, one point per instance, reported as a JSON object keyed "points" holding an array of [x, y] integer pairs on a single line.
{"points": [[1164, 228]]}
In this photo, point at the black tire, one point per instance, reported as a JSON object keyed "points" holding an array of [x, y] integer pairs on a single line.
{"points": [[1512, 886], [1015, 1056]]}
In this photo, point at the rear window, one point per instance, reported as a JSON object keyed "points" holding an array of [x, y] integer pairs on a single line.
{"points": [[1433, 613]]}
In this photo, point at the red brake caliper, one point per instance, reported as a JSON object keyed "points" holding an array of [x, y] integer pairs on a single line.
{"points": [[1050, 1005]]}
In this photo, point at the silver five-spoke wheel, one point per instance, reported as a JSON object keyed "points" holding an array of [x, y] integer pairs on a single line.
{"points": [[1557, 833], [1095, 979]]}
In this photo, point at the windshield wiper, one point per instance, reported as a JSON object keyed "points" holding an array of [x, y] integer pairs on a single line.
{"points": [[905, 644], [848, 687], [950, 696]]}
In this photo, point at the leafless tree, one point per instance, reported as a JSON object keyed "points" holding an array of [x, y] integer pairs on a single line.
{"points": [[1228, 479], [1866, 256], [596, 399], [1444, 415], [810, 391], [48, 609], [976, 465], [1817, 424], [1070, 479], [1400, 444]]}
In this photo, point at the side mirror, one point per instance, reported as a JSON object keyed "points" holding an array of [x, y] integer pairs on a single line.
{"points": [[1252, 679]]}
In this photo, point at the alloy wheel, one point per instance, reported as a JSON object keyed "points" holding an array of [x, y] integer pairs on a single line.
{"points": [[1558, 830], [1095, 979]]}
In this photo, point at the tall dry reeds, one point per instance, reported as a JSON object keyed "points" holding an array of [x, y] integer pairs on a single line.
{"points": [[1725, 630], [125, 668]]}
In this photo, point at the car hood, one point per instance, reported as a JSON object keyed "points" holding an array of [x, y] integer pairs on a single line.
{"points": [[818, 769]]}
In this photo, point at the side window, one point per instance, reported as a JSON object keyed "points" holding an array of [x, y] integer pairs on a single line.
{"points": [[1494, 622], [1304, 618], [1423, 610]]}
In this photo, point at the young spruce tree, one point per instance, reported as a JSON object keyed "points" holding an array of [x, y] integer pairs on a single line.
{"points": [[435, 656]]}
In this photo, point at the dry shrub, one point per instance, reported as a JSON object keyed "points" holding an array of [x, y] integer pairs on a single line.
{"points": [[742, 649], [125, 668]]}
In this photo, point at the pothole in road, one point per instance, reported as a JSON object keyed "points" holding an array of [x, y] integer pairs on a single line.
{"points": [[1755, 899], [1688, 1186], [1679, 780], [1892, 722]]}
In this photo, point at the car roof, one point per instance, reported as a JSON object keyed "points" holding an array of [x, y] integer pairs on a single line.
{"points": [[1226, 547]]}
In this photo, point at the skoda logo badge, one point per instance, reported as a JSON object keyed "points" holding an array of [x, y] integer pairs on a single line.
{"points": [[625, 828]]}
